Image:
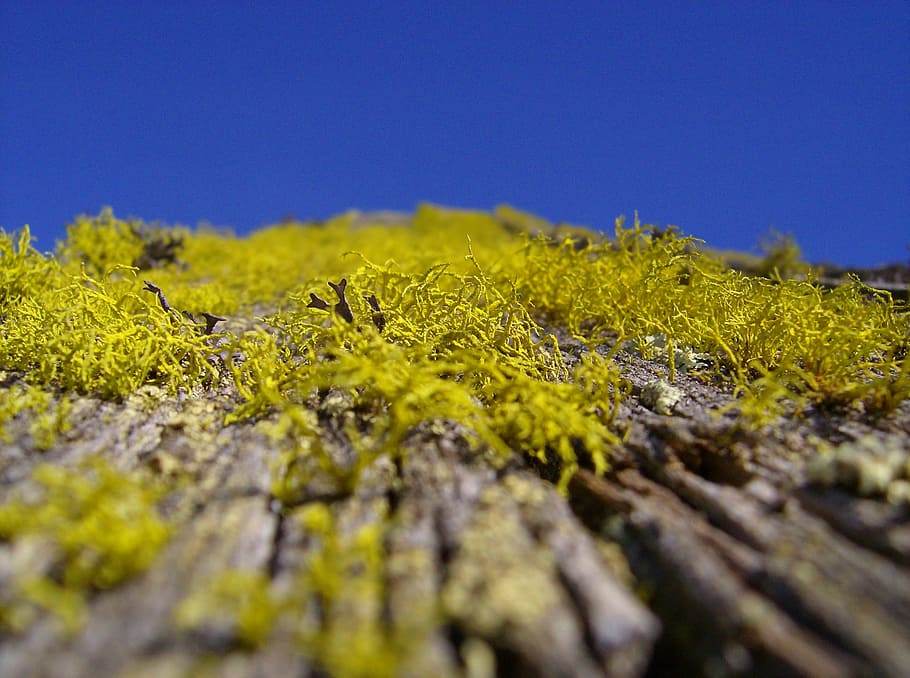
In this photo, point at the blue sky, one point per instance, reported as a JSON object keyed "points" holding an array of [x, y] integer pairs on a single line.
{"points": [[725, 118]]}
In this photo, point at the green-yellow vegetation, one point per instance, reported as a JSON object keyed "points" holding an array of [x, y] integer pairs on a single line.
{"points": [[779, 256], [99, 244], [102, 527], [102, 336], [70, 326], [243, 597], [781, 343], [48, 416], [782, 256], [341, 583], [451, 346], [465, 304], [453, 319]]}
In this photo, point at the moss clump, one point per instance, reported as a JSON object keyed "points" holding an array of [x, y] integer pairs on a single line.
{"points": [[244, 598], [23, 270], [782, 256], [342, 577], [343, 338], [99, 244], [447, 316], [46, 416], [783, 344], [102, 527], [83, 322], [101, 336], [452, 346]]}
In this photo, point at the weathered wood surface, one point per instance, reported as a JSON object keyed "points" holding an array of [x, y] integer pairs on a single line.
{"points": [[705, 550]]}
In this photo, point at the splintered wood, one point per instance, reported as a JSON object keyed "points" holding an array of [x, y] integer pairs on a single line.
{"points": [[704, 550]]}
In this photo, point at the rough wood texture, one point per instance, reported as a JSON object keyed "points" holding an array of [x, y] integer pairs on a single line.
{"points": [[704, 551]]}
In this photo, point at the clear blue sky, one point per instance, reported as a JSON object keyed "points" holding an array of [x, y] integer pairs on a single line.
{"points": [[725, 118]]}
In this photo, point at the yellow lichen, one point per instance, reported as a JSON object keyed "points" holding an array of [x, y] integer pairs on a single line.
{"points": [[101, 527], [449, 316], [450, 321], [343, 576]]}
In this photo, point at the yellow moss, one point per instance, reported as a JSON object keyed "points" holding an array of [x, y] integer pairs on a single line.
{"points": [[781, 342], [343, 575], [23, 270], [450, 318], [782, 256], [32, 595], [522, 592], [242, 597], [453, 346], [102, 335], [102, 527], [99, 244]]}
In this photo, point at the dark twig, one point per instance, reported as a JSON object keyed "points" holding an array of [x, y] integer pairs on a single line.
{"points": [[149, 287], [210, 321], [378, 315], [317, 302], [210, 318], [342, 308]]}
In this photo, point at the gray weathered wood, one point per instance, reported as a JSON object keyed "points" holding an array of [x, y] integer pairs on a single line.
{"points": [[705, 550]]}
